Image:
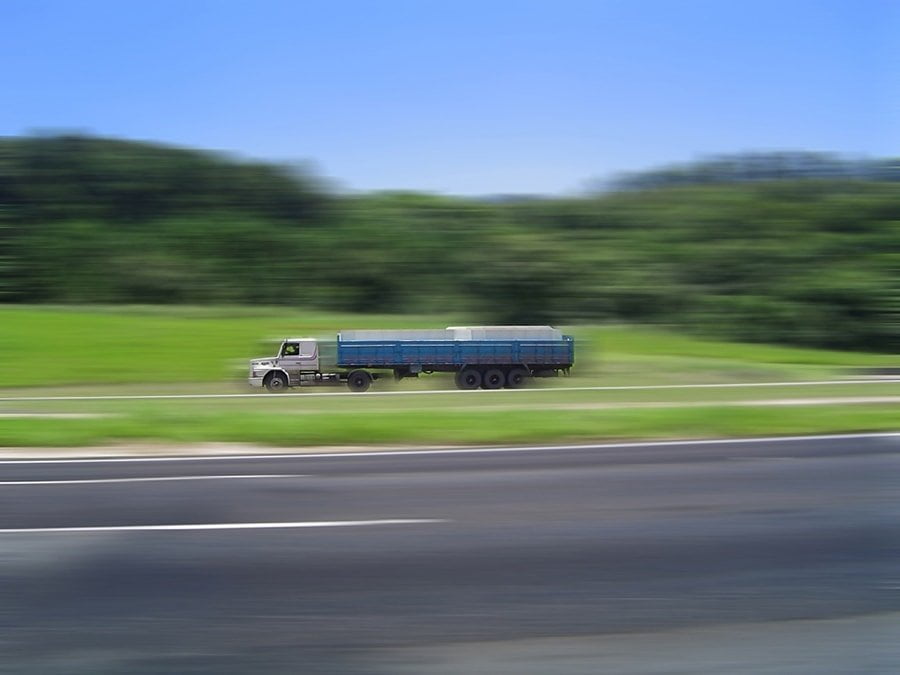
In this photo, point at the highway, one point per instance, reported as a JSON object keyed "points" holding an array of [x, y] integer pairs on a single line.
{"points": [[757, 556]]}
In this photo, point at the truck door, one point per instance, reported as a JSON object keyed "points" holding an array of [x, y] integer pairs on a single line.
{"points": [[309, 355], [298, 356]]}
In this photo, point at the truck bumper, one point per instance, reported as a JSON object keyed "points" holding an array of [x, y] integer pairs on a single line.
{"points": [[255, 381]]}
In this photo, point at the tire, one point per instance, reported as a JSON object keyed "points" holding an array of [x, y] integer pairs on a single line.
{"points": [[517, 378], [359, 381], [493, 378], [468, 378], [276, 383]]}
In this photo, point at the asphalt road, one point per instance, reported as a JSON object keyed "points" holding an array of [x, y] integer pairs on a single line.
{"points": [[738, 557]]}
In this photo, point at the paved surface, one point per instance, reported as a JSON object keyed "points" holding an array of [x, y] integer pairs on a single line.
{"points": [[773, 557], [340, 391]]}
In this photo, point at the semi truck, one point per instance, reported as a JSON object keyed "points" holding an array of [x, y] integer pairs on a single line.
{"points": [[487, 357]]}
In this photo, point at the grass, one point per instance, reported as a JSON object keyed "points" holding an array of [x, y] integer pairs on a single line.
{"points": [[657, 342], [54, 346], [435, 427], [136, 350], [185, 346]]}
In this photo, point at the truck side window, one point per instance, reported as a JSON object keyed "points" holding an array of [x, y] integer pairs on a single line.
{"points": [[290, 349]]}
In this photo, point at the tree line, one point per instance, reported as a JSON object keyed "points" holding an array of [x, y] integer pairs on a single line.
{"points": [[797, 258]]}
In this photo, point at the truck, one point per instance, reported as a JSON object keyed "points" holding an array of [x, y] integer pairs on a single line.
{"points": [[489, 357]]}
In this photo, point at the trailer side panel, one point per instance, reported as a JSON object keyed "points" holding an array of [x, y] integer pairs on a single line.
{"points": [[454, 354]]}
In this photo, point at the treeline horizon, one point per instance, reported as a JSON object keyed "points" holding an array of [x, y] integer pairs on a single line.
{"points": [[794, 248]]}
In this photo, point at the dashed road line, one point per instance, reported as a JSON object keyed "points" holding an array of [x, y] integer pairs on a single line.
{"points": [[154, 479], [222, 526]]}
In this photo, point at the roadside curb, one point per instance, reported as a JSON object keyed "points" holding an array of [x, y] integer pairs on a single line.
{"points": [[202, 451]]}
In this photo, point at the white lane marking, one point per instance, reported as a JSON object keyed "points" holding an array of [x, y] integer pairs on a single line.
{"points": [[226, 526], [842, 400], [640, 405], [460, 451], [59, 416], [260, 395], [150, 480]]}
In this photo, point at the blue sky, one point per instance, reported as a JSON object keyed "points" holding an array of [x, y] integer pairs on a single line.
{"points": [[460, 96]]}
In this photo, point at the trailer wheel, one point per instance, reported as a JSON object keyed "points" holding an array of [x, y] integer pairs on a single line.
{"points": [[516, 378], [276, 383], [468, 378], [493, 379], [359, 380]]}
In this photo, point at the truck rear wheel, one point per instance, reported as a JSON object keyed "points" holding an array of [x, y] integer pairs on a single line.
{"points": [[516, 378], [468, 378], [359, 380], [493, 379], [276, 383]]}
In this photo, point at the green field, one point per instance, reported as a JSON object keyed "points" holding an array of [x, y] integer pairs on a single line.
{"points": [[61, 346], [47, 351], [146, 345]]}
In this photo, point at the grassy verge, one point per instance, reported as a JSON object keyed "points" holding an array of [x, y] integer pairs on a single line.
{"points": [[446, 427]]}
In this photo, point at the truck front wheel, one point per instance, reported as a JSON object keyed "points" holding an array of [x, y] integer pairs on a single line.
{"points": [[276, 383], [359, 380]]}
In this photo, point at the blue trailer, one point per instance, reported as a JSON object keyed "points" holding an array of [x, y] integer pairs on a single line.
{"points": [[490, 357]]}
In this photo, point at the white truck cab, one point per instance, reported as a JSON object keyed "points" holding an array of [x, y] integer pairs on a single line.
{"points": [[297, 359]]}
